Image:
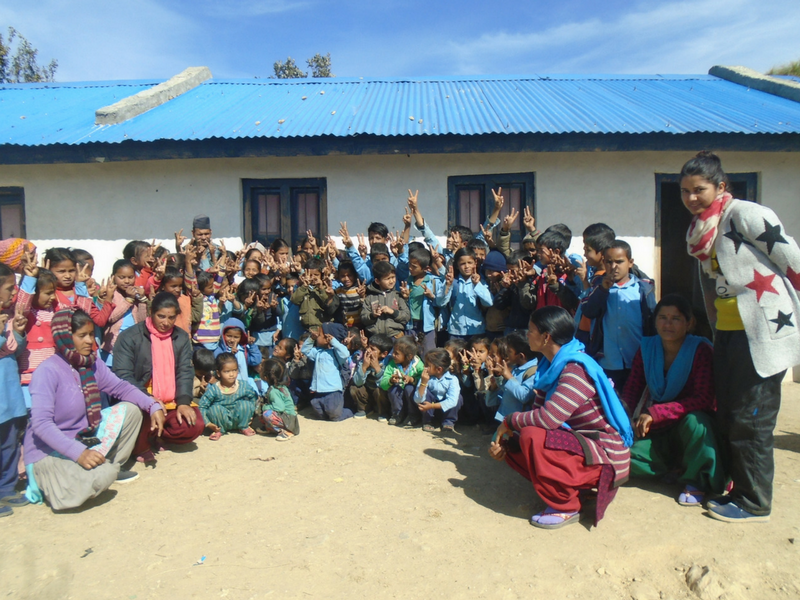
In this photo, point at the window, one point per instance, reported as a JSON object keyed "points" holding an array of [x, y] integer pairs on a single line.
{"points": [[12, 212], [284, 208], [470, 200]]}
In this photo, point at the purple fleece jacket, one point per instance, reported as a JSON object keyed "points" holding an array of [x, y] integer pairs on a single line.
{"points": [[58, 409]]}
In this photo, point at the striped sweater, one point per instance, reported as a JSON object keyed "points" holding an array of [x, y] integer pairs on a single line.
{"points": [[576, 404]]}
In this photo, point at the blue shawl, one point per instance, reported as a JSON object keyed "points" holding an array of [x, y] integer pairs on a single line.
{"points": [[546, 379], [665, 389]]}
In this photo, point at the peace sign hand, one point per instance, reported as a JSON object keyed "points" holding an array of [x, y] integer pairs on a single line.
{"points": [[83, 274], [499, 201], [30, 268], [528, 221], [508, 221], [20, 320], [404, 292], [179, 240], [430, 292], [361, 289], [412, 200]]}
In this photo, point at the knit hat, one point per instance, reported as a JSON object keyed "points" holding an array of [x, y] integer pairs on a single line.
{"points": [[337, 330], [201, 222], [12, 251], [495, 261]]}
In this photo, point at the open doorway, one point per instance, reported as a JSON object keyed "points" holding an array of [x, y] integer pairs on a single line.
{"points": [[678, 271]]}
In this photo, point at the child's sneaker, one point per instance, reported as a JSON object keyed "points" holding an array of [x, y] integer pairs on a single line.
{"points": [[6, 511], [382, 419], [360, 415], [393, 420], [14, 501]]}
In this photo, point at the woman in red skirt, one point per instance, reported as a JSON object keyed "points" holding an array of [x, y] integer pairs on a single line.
{"points": [[577, 435]]}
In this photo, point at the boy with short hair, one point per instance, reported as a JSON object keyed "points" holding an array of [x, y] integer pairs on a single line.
{"points": [[421, 287], [622, 308], [597, 237], [315, 295], [385, 310], [324, 346], [364, 390], [549, 286]]}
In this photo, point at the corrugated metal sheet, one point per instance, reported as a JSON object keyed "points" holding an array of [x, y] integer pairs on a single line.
{"points": [[41, 114]]}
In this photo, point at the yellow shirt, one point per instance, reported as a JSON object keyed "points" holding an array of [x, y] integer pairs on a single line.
{"points": [[728, 317]]}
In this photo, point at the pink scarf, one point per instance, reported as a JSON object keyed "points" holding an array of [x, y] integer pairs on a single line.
{"points": [[163, 358], [703, 231]]}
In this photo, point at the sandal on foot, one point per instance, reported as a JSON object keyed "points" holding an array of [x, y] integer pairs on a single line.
{"points": [[215, 436], [691, 496], [283, 436], [550, 518], [248, 431], [428, 427]]}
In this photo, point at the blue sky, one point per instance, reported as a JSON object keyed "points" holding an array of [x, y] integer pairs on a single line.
{"points": [[118, 39]]}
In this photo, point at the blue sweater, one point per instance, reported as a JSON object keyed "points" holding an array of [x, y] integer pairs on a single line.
{"points": [[12, 403], [466, 317], [328, 364], [445, 389]]}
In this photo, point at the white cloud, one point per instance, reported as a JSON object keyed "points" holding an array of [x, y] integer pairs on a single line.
{"points": [[674, 37], [94, 40], [231, 9]]}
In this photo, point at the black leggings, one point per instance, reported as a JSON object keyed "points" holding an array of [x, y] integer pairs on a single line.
{"points": [[747, 411]]}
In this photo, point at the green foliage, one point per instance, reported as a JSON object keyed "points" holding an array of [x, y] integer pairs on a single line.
{"points": [[18, 64], [320, 67], [288, 70], [792, 68]]}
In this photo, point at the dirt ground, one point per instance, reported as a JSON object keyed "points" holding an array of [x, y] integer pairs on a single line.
{"points": [[361, 509]]}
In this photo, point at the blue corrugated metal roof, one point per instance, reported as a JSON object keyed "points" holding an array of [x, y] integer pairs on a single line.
{"points": [[45, 114]]}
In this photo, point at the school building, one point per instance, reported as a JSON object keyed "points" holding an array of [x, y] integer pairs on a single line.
{"points": [[96, 164]]}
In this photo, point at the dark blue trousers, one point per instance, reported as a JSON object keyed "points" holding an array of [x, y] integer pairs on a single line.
{"points": [[10, 449], [330, 406], [400, 396], [448, 417]]}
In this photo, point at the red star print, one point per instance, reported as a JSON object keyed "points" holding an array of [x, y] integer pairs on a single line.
{"points": [[761, 284], [794, 277]]}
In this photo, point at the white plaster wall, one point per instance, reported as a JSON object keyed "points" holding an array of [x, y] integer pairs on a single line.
{"points": [[147, 199]]}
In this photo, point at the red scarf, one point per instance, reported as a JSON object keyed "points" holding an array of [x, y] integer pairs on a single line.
{"points": [[703, 231], [163, 359]]}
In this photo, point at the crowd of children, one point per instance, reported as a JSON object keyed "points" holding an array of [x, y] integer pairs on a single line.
{"points": [[413, 333]]}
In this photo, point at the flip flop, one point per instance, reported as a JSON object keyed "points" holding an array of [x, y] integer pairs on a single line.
{"points": [[691, 496], [551, 519], [248, 431], [428, 427], [215, 436]]}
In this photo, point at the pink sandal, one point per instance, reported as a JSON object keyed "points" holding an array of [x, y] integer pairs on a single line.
{"points": [[248, 431], [215, 436]]}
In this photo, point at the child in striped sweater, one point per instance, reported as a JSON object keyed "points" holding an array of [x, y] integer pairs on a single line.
{"points": [[351, 292], [36, 298]]}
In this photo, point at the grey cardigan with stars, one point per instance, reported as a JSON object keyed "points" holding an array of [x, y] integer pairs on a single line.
{"points": [[760, 265]]}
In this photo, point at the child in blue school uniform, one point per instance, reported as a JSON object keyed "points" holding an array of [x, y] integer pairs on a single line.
{"points": [[621, 307], [324, 346], [422, 286], [465, 296], [13, 414], [517, 368], [438, 394]]}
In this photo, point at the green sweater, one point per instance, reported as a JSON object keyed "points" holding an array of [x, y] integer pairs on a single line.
{"points": [[414, 369], [279, 400]]}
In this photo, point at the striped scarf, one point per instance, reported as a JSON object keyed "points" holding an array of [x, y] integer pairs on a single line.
{"points": [[703, 231], [61, 326]]}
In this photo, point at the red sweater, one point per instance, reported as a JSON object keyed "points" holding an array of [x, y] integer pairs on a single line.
{"points": [[696, 395]]}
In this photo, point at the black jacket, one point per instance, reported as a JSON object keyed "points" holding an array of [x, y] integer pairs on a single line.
{"points": [[133, 360]]}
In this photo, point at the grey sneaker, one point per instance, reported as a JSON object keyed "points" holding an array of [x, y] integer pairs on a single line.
{"points": [[127, 476], [393, 420], [14, 501], [381, 419], [360, 415]]}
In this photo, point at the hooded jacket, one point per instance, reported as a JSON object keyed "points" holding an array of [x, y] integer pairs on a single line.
{"points": [[246, 355]]}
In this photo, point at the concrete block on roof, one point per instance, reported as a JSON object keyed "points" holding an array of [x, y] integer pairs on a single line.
{"points": [[129, 107], [785, 88]]}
